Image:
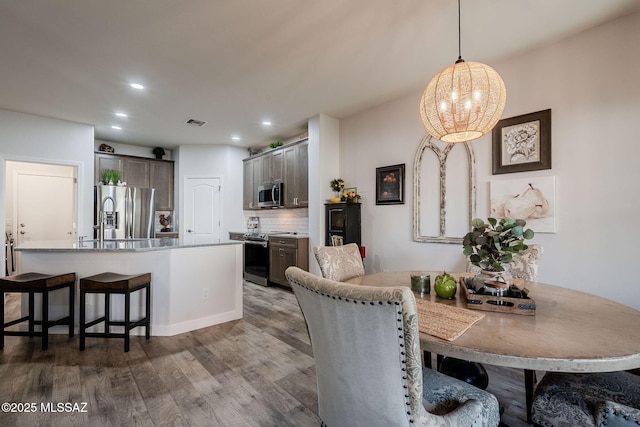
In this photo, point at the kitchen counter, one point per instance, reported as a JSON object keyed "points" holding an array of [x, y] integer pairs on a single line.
{"points": [[193, 284], [130, 245]]}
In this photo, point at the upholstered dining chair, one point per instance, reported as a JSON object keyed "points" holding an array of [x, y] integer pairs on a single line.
{"points": [[609, 399], [366, 348], [339, 263]]}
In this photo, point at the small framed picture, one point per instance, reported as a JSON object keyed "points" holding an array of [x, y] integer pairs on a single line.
{"points": [[390, 185], [336, 240], [522, 143]]}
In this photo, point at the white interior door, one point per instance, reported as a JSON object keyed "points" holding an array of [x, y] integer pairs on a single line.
{"points": [[44, 207], [202, 210]]}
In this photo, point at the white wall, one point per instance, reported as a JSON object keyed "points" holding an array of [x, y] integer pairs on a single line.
{"points": [[590, 83], [37, 139], [219, 161]]}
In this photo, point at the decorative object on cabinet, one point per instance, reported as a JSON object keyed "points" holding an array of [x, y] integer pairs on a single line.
{"points": [[343, 221], [106, 148], [463, 101], [276, 144], [337, 185], [159, 152], [390, 185], [350, 195], [531, 199], [424, 228], [522, 143]]}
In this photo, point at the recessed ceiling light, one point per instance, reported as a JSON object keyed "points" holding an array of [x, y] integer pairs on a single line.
{"points": [[120, 114], [116, 127], [137, 86], [266, 123], [235, 138]]}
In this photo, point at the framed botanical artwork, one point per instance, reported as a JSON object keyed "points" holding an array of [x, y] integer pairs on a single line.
{"points": [[390, 185], [522, 143]]}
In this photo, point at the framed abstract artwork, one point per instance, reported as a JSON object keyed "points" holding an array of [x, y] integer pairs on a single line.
{"points": [[390, 185], [522, 143]]}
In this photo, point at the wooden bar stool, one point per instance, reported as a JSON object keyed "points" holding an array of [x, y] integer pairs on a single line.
{"points": [[108, 284], [33, 283]]}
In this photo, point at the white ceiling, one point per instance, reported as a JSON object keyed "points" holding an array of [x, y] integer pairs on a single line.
{"points": [[235, 63]]}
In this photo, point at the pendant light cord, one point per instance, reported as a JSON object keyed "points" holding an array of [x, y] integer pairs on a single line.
{"points": [[459, 38]]}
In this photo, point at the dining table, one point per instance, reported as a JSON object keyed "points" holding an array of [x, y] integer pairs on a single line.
{"points": [[571, 331]]}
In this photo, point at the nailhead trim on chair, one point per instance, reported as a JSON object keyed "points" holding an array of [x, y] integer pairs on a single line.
{"points": [[400, 338]]}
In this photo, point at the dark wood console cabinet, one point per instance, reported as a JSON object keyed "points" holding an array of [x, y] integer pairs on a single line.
{"points": [[343, 221]]}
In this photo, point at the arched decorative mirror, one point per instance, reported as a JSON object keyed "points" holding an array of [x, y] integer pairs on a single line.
{"points": [[444, 191]]}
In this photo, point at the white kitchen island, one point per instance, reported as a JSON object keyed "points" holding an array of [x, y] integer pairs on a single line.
{"points": [[193, 285]]}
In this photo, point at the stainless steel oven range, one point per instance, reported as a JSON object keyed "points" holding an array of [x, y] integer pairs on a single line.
{"points": [[256, 258]]}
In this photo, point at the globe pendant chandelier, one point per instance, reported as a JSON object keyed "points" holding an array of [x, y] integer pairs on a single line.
{"points": [[464, 101]]}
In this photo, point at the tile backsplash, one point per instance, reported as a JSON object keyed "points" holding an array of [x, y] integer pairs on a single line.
{"points": [[290, 220]]}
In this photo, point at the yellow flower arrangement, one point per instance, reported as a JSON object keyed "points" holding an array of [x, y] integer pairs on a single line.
{"points": [[350, 196]]}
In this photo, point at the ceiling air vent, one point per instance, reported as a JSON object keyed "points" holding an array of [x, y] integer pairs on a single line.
{"points": [[194, 122]]}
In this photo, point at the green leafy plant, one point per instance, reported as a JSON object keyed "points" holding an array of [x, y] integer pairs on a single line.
{"points": [[337, 185], [493, 244], [110, 176], [275, 144]]}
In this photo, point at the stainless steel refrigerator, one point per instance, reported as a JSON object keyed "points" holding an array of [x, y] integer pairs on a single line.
{"points": [[125, 212]]}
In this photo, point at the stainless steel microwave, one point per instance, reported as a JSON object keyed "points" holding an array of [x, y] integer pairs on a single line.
{"points": [[270, 195]]}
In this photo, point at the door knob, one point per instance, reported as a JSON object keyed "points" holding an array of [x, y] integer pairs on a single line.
{"points": [[22, 232], [189, 231], [22, 225]]}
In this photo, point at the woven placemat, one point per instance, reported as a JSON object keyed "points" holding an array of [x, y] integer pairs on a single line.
{"points": [[445, 321]]}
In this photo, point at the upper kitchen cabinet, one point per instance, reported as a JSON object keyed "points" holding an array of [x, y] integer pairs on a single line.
{"points": [[108, 161], [296, 175], [272, 167], [136, 172], [289, 165], [141, 172], [252, 179], [161, 177]]}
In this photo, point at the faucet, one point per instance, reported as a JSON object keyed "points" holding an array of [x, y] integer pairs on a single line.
{"points": [[105, 217]]}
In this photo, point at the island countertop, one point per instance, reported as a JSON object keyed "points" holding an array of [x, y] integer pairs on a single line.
{"points": [[194, 284], [120, 245]]}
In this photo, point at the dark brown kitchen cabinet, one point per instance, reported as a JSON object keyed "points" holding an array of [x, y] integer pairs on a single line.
{"points": [[296, 175], [141, 172], [272, 168], [108, 161], [161, 178], [252, 179], [285, 252], [136, 172], [289, 165]]}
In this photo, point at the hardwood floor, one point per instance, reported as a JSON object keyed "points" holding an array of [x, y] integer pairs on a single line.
{"points": [[258, 371]]}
